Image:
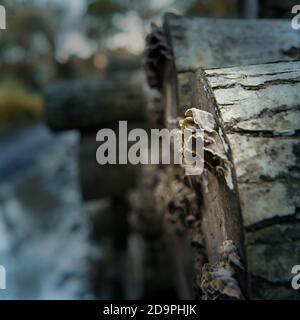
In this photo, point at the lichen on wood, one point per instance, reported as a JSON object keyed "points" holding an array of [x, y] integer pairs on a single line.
{"points": [[241, 73], [218, 280], [258, 110], [214, 147]]}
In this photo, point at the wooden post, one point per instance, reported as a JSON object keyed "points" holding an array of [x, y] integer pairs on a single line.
{"points": [[258, 115], [202, 51]]}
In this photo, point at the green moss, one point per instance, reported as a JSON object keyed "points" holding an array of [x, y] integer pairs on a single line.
{"points": [[18, 104]]}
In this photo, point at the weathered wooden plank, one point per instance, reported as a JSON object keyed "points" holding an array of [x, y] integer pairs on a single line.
{"points": [[258, 98], [206, 42], [265, 158], [254, 107], [255, 96], [259, 159], [198, 42]]}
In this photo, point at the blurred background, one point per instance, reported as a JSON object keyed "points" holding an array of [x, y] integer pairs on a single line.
{"points": [[52, 243]]}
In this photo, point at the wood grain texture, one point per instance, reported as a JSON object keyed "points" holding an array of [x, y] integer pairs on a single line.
{"points": [[257, 108], [243, 73], [199, 42], [206, 42]]}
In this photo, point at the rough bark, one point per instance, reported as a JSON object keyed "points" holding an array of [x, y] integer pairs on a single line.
{"points": [[258, 110], [206, 42], [153, 271], [209, 43]]}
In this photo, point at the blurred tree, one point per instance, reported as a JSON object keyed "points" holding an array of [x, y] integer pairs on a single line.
{"points": [[18, 105], [106, 7], [25, 24], [106, 17], [27, 48], [214, 8]]}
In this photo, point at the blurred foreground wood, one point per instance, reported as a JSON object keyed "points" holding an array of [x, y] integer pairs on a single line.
{"points": [[133, 238], [85, 104]]}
